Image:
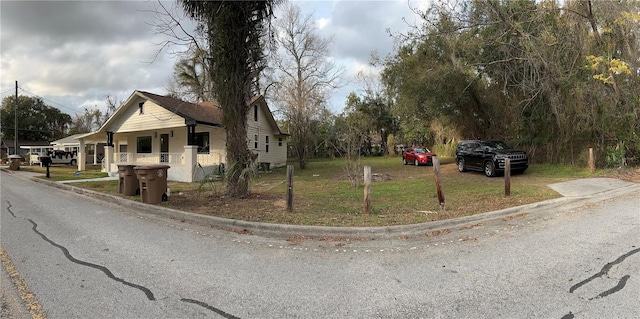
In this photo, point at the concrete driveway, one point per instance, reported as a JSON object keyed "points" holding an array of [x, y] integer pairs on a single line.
{"points": [[588, 186]]}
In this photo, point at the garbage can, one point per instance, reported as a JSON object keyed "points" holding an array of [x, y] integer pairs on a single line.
{"points": [[153, 183], [14, 162], [129, 184]]}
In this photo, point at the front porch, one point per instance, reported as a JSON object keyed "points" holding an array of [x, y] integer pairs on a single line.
{"points": [[188, 166]]}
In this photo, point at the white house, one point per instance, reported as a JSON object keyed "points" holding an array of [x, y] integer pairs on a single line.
{"points": [[69, 146], [153, 129]]}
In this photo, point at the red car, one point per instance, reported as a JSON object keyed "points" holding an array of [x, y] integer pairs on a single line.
{"points": [[417, 156]]}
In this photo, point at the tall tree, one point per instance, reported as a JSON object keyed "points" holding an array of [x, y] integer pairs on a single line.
{"points": [[36, 120], [375, 102], [554, 77], [190, 79], [234, 30], [303, 77]]}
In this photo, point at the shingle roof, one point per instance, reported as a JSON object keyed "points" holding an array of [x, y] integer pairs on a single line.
{"points": [[204, 113]]}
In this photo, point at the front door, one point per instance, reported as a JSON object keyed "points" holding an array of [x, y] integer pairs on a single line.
{"points": [[164, 148]]}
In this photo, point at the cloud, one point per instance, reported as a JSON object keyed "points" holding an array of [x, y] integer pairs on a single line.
{"points": [[68, 51], [361, 27], [73, 53], [358, 29]]}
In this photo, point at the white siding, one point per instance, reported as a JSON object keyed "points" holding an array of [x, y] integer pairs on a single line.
{"points": [[153, 117], [277, 155]]}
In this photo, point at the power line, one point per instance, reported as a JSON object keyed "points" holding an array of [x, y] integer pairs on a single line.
{"points": [[7, 91], [28, 130], [38, 96]]}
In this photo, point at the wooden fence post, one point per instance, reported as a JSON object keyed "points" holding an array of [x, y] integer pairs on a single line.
{"points": [[592, 163], [289, 188], [367, 190], [507, 177], [436, 170]]}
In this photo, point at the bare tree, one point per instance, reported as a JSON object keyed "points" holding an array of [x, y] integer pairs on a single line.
{"points": [[303, 75], [113, 103]]}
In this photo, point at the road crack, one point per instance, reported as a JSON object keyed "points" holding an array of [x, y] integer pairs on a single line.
{"points": [[206, 306], [618, 287], [604, 271], [67, 254]]}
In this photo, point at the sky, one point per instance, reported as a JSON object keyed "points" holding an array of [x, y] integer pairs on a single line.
{"points": [[73, 53]]}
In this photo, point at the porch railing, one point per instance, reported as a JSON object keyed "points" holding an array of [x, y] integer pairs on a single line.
{"points": [[210, 159], [149, 158]]}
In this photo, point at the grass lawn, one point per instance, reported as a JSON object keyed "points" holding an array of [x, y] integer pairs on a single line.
{"points": [[66, 172], [323, 195]]}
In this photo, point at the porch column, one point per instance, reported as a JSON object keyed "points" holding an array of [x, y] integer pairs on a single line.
{"points": [[109, 138], [190, 161], [95, 154], [81, 155], [191, 134], [108, 158]]}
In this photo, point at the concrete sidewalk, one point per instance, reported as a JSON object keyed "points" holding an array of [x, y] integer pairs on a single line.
{"points": [[110, 178]]}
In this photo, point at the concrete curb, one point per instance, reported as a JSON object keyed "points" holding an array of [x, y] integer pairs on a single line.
{"points": [[539, 209]]}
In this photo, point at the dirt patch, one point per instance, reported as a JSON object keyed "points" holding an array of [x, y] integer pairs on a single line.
{"points": [[438, 232], [512, 217], [472, 226], [345, 239], [627, 174], [374, 177], [298, 239], [256, 207]]}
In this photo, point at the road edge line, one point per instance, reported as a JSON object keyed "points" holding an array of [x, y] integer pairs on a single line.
{"points": [[30, 302]]}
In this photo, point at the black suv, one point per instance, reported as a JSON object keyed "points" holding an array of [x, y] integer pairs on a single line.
{"points": [[488, 156]]}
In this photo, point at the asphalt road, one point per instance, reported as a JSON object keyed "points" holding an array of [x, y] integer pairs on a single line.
{"points": [[83, 258]]}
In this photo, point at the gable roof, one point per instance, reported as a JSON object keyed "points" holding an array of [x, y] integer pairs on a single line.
{"points": [[71, 139], [207, 113]]}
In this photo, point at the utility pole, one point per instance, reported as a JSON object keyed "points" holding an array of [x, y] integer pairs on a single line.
{"points": [[15, 125]]}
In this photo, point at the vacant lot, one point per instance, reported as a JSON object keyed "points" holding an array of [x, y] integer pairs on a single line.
{"points": [[324, 195]]}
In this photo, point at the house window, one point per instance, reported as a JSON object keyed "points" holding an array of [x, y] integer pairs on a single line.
{"points": [[266, 144], [202, 140], [91, 150], [280, 141], [255, 113], [140, 107], [255, 142], [143, 144]]}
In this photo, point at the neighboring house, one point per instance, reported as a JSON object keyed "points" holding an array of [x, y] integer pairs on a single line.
{"points": [[7, 147], [66, 147], [93, 152], [153, 129]]}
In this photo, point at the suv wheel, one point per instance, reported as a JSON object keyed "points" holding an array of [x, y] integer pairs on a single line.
{"points": [[415, 162], [404, 161], [489, 169], [461, 166], [73, 162]]}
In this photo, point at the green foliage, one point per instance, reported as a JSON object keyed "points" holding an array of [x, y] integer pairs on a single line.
{"points": [[552, 80], [36, 120], [209, 180], [67, 172], [615, 156]]}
